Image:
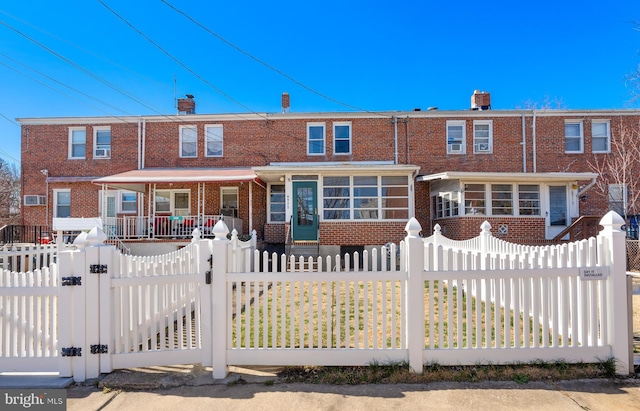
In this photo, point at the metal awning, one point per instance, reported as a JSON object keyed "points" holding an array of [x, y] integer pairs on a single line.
{"points": [[136, 180], [275, 172], [507, 177]]}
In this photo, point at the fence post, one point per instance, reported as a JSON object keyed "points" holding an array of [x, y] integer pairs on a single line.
{"points": [[220, 245], [618, 337], [485, 236], [71, 314], [205, 267], [415, 295]]}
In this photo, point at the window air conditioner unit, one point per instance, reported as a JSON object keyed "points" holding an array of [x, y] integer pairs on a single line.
{"points": [[103, 152], [455, 148], [229, 212], [34, 200], [482, 147]]}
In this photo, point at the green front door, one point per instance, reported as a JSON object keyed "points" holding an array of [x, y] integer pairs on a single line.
{"points": [[305, 217]]}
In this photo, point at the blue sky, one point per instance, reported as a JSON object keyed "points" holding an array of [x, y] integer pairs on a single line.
{"points": [[78, 58]]}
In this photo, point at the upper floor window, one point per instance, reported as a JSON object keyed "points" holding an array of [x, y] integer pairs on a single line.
{"points": [[600, 136], [102, 142], [573, 142], [315, 138], [77, 142], [213, 140], [482, 136], [342, 138], [188, 141], [277, 204], [456, 137]]}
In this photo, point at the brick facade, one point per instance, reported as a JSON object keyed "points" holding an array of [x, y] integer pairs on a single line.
{"points": [[415, 138]]}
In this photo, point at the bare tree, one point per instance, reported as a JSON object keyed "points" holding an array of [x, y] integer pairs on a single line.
{"points": [[618, 178], [9, 193]]}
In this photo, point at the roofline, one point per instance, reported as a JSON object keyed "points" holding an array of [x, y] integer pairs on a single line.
{"points": [[465, 175], [25, 121]]}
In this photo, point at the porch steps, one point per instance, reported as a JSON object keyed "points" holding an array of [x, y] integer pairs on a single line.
{"points": [[303, 249]]}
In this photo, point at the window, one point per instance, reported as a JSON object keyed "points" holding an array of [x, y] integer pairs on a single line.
{"points": [[395, 198], [618, 198], [34, 200], [277, 204], [175, 202], [62, 203], [600, 136], [501, 199], [77, 142], [365, 198], [342, 138], [102, 142], [128, 202], [528, 199], [229, 201], [573, 137], [188, 141], [336, 201], [482, 136], [213, 140], [456, 137], [474, 199], [315, 138], [446, 204]]}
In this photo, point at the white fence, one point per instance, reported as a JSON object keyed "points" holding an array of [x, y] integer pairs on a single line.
{"points": [[28, 257], [218, 303]]}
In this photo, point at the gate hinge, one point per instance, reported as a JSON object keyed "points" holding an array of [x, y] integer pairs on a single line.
{"points": [[98, 268], [72, 352], [99, 349], [71, 281], [207, 277]]}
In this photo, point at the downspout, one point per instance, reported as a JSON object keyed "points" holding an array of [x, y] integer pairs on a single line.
{"points": [[395, 139], [144, 140], [533, 141], [524, 146], [139, 143], [250, 207]]}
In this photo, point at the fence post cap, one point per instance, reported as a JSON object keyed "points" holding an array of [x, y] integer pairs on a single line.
{"points": [[413, 227], [437, 228], [195, 235], [486, 226], [612, 222], [220, 230], [96, 236]]}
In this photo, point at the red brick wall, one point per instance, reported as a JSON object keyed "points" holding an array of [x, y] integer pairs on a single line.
{"points": [[520, 229], [364, 233]]}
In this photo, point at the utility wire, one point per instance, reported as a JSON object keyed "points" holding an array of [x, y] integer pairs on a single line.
{"points": [[82, 69], [205, 81], [264, 63]]}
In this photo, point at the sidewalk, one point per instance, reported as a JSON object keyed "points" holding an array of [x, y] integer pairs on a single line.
{"points": [[193, 388]]}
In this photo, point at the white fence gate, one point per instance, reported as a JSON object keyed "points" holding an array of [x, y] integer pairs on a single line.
{"points": [[217, 303]]}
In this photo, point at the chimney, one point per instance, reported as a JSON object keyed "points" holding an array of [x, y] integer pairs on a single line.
{"points": [[187, 105], [285, 102], [480, 100]]}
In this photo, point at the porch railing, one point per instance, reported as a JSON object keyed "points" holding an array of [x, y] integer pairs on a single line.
{"points": [[178, 227]]}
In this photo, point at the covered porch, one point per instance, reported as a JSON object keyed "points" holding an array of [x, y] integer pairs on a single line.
{"points": [[169, 203]]}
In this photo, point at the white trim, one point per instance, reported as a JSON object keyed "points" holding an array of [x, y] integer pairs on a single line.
{"points": [[70, 143], [206, 141], [105, 153], [324, 138], [489, 148], [57, 191], [581, 136], [513, 177], [180, 142], [608, 136], [460, 148], [350, 138]]}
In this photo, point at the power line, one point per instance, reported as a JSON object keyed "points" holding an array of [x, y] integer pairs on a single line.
{"points": [[8, 119], [264, 63], [82, 69]]}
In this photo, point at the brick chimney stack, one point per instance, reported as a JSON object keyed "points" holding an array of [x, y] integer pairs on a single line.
{"points": [[480, 100], [286, 103], [187, 105]]}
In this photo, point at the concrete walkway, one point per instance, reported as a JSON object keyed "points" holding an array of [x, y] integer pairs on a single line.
{"points": [[193, 388]]}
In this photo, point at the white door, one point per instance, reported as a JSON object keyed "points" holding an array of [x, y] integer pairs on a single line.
{"points": [[557, 212]]}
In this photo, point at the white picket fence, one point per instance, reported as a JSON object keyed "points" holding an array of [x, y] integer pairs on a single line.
{"points": [[220, 303], [28, 257]]}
